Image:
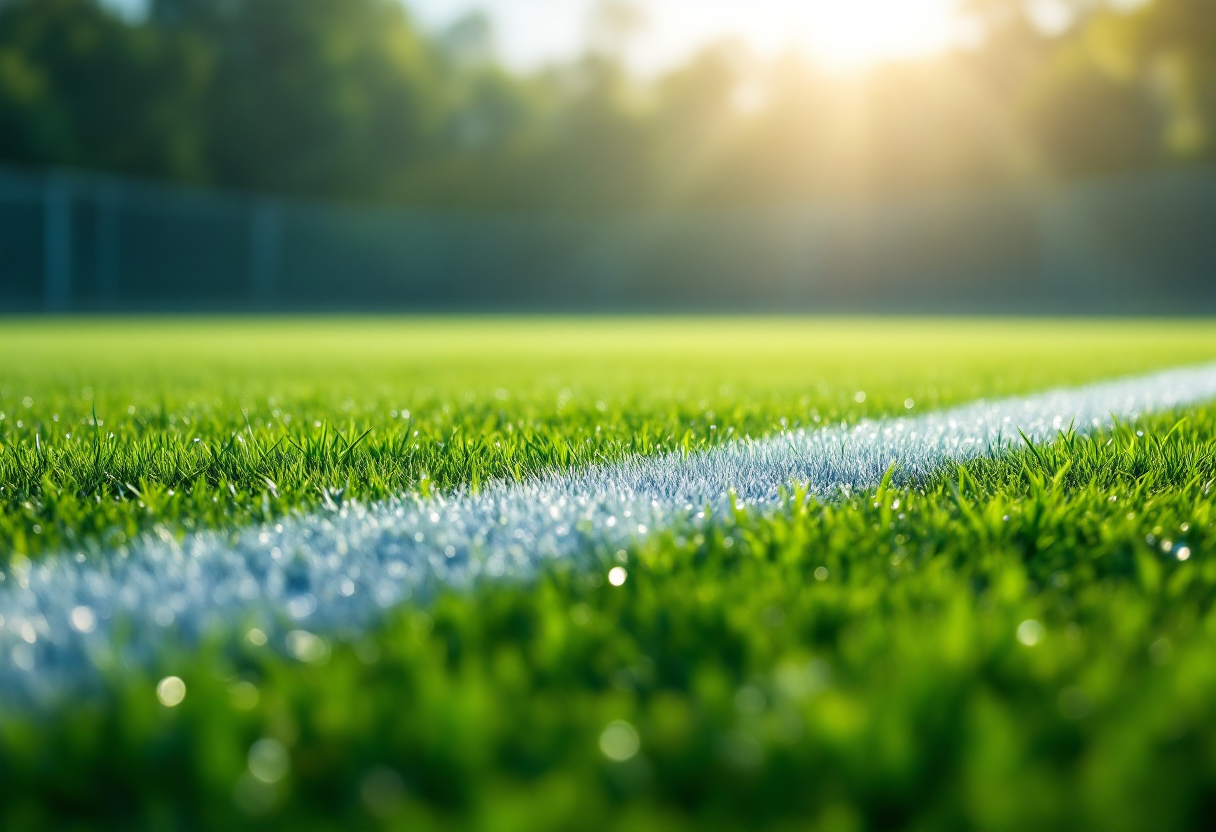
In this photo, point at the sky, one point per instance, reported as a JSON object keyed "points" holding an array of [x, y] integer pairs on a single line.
{"points": [[842, 34]]}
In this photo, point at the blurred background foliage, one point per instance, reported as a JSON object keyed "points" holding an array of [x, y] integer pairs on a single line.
{"points": [[352, 99]]}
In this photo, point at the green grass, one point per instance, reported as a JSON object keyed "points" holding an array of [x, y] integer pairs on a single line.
{"points": [[839, 666], [203, 423]]}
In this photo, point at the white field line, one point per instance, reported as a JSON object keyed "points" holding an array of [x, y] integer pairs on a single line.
{"points": [[334, 572]]}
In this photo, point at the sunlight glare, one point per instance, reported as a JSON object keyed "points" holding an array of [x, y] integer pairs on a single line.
{"points": [[839, 34], [847, 34]]}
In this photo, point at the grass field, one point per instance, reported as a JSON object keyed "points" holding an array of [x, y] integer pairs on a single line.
{"points": [[1020, 643]]}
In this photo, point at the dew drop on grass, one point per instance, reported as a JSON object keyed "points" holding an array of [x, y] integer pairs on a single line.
{"points": [[302, 606], [268, 760], [23, 657], [307, 647], [244, 695], [619, 741], [171, 691], [1030, 632], [83, 620], [617, 576]]}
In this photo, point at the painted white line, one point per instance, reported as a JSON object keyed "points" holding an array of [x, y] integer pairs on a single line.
{"points": [[334, 572]]}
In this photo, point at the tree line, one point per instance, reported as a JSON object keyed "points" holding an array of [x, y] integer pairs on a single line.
{"points": [[352, 99]]}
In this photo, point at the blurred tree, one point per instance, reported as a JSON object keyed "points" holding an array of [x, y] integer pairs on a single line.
{"points": [[332, 97], [697, 124], [81, 87], [1120, 89], [614, 24], [470, 40], [349, 99], [1177, 53], [1087, 109], [594, 153]]}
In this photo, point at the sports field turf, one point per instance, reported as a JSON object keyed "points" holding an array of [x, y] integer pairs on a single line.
{"points": [[1018, 643]]}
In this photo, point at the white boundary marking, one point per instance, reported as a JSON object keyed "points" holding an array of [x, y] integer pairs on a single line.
{"points": [[335, 571]]}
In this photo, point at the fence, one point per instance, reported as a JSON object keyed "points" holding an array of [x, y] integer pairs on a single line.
{"points": [[75, 242]]}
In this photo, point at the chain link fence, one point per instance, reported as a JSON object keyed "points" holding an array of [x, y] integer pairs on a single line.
{"points": [[83, 242]]}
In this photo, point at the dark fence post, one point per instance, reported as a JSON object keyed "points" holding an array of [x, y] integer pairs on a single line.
{"points": [[57, 245], [108, 194], [265, 231]]}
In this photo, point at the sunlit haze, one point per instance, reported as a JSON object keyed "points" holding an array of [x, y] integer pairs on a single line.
{"points": [[841, 34]]}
